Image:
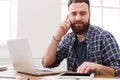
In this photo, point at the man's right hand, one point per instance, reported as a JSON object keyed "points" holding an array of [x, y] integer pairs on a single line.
{"points": [[50, 54], [63, 28]]}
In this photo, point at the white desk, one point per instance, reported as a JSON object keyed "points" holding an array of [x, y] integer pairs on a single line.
{"points": [[50, 77]]}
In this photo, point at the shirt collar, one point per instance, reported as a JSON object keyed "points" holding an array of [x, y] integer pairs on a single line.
{"points": [[89, 33]]}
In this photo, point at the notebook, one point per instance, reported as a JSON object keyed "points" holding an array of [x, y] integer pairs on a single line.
{"points": [[22, 60]]}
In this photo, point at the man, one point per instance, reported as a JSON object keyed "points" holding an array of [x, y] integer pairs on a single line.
{"points": [[88, 48]]}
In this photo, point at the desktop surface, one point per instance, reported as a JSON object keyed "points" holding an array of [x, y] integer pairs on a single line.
{"points": [[12, 73]]}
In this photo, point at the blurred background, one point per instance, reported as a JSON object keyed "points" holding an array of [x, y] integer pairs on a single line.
{"points": [[38, 19]]}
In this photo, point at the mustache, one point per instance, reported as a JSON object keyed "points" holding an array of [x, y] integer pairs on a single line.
{"points": [[76, 22]]}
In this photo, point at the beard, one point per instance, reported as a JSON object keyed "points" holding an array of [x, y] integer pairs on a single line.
{"points": [[80, 29]]}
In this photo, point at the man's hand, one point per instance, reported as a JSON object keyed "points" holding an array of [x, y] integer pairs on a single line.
{"points": [[63, 27], [87, 67]]}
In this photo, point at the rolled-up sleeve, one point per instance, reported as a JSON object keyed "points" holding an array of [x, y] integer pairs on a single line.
{"points": [[111, 54]]}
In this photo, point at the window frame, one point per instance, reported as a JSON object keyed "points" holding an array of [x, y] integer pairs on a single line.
{"points": [[13, 21]]}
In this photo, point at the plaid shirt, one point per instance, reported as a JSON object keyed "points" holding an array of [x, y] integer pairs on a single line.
{"points": [[102, 48]]}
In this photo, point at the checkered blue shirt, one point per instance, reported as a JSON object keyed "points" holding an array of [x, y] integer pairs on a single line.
{"points": [[102, 48]]}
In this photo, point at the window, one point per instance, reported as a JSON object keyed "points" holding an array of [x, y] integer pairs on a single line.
{"points": [[8, 20], [104, 13]]}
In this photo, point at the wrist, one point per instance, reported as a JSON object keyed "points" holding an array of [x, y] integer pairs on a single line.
{"points": [[56, 38]]}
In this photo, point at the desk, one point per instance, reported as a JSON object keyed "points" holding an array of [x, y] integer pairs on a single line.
{"points": [[23, 76], [31, 77]]}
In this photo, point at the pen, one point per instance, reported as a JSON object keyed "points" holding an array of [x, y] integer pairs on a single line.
{"points": [[8, 77]]}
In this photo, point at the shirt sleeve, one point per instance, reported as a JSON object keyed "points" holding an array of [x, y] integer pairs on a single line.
{"points": [[111, 53]]}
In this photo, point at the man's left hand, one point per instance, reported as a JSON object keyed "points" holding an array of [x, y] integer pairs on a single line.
{"points": [[87, 67]]}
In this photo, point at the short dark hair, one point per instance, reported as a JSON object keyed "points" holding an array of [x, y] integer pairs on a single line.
{"points": [[78, 1]]}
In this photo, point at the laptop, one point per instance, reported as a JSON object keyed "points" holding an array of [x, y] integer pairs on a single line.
{"points": [[22, 58]]}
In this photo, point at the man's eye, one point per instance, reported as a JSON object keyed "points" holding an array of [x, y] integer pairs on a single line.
{"points": [[73, 14], [82, 13]]}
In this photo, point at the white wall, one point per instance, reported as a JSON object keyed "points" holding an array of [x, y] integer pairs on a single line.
{"points": [[37, 20]]}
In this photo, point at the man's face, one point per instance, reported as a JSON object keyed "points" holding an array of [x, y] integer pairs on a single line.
{"points": [[79, 17]]}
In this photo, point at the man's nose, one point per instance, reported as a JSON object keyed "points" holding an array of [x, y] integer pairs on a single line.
{"points": [[78, 17]]}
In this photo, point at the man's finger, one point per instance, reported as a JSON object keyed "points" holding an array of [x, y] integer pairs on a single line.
{"points": [[66, 19]]}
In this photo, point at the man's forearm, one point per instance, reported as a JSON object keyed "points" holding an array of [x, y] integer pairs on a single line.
{"points": [[50, 54], [104, 70]]}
